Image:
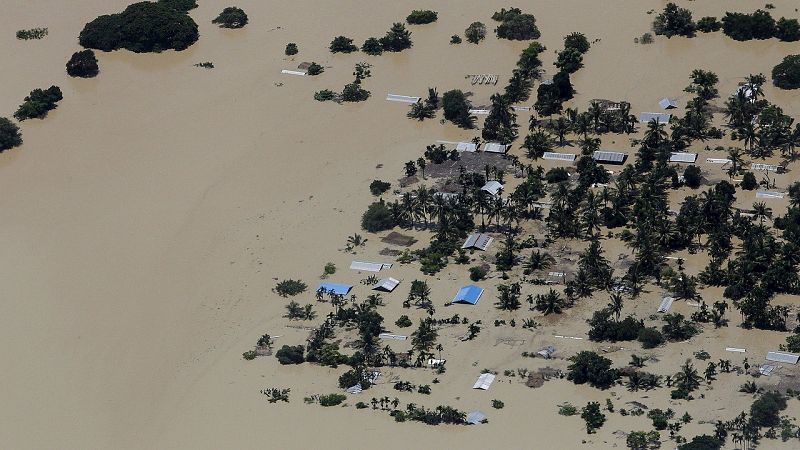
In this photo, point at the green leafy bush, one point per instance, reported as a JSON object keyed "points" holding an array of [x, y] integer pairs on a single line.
{"points": [[372, 46], [141, 27], [378, 187], [291, 49], [290, 288], [342, 44], [332, 399], [9, 135], [786, 75], [421, 17], [33, 33], [516, 25], [82, 64], [231, 17], [674, 21], [315, 69], [377, 218], [290, 354], [403, 322], [38, 103], [475, 32]]}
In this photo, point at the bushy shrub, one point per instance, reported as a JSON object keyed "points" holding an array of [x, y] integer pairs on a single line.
{"points": [[315, 69], [325, 95], [291, 49], [372, 46], [9, 135], [456, 108], [249, 355], [342, 44], [180, 5], [475, 32], [787, 30], [332, 399], [674, 21], [786, 75], [577, 41], [765, 411], [403, 322], [290, 288], [455, 39], [421, 17], [477, 273], [708, 24], [231, 17], [290, 354], [749, 181], [589, 367], [353, 92], [377, 218], [702, 442], [82, 64], [650, 337], [516, 25], [556, 175], [38, 103], [692, 176], [397, 38], [33, 33], [141, 27], [378, 187], [743, 27]]}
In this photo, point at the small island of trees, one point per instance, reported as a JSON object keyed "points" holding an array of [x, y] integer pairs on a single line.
{"points": [[9, 135], [83, 64], [142, 27], [38, 103], [231, 17]]}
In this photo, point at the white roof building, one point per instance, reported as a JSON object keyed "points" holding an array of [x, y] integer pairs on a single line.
{"points": [[484, 381], [494, 147], [478, 241], [386, 285], [493, 187]]}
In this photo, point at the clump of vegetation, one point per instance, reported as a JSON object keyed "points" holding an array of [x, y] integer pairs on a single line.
{"points": [[141, 27], [759, 25], [296, 312], [477, 273], [516, 25], [567, 409], [275, 395], [377, 218], [650, 337], [290, 287], [353, 92], [674, 21], [290, 354], [786, 75], [9, 135], [332, 399], [33, 33], [249, 355], [708, 25], [180, 5], [403, 322], [749, 181], [231, 17], [475, 32], [644, 39], [328, 270], [456, 108], [589, 367], [498, 404], [397, 38], [291, 49], [577, 41], [82, 64], [205, 65], [325, 95], [642, 440], [372, 46], [378, 187], [765, 411], [421, 17], [315, 69], [342, 44], [593, 417], [38, 103], [455, 39]]}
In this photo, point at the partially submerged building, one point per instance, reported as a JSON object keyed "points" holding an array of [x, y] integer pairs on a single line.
{"points": [[607, 157], [478, 241], [468, 294]]}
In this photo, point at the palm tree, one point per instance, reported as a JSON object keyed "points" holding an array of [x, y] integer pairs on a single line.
{"points": [[561, 128], [595, 113], [761, 211], [539, 261], [615, 304], [688, 378], [735, 155], [755, 82], [536, 144], [550, 303]]}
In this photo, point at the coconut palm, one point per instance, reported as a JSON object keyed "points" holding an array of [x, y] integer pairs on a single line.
{"points": [[561, 127], [539, 261], [761, 211], [687, 378], [550, 303], [615, 304]]}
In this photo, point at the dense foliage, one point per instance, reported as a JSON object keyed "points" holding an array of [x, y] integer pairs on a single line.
{"points": [[515, 25], [786, 75], [231, 17], [9, 135], [141, 27], [674, 21], [38, 103], [83, 64], [421, 17]]}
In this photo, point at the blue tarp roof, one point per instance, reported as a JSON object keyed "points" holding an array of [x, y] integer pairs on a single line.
{"points": [[339, 289], [468, 294]]}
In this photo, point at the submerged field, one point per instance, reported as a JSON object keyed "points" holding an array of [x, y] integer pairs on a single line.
{"points": [[147, 219]]}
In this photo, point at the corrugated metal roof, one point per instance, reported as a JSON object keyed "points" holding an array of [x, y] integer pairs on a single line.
{"points": [[466, 147], [494, 147], [479, 241], [336, 288], [484, 381], [667, 103], [293, 72], [480, 112], [392, 337], [646, 117], [475, 417], [606, 156], [402, 98], [492, 187], [665, 304], [765, 167], [718, 160], [767, 194], [683, 157], [386, 285], [784, 357], [559, 156], [369, 266], [468, 294]]}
